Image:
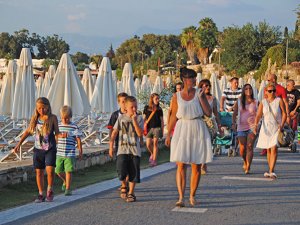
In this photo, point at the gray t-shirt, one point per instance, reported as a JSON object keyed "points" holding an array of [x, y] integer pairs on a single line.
{"points": [[129, 142]]}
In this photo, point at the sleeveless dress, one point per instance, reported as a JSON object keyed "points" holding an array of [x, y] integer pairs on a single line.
{"points": [[191, 142], [269, 130]]}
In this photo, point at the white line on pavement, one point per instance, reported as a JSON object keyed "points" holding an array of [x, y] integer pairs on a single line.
{"points": [[279, 160], [33, 208], [246, 178], [190, 210]]}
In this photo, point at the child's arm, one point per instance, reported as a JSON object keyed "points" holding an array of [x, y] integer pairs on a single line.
{"points": [[137, 128], [23, 138], [112, 141], [56, 129], [79, 146]]}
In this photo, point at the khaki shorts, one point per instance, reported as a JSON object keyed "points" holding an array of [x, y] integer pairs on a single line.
{"points": [[154, 133]]}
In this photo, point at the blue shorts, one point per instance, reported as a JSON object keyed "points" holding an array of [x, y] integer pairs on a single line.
{"points": [[42, 158], [244, 133]]}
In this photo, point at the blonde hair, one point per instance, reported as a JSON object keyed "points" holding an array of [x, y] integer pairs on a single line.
{"points": [[48, 124], [270, 84], [66, 111]]}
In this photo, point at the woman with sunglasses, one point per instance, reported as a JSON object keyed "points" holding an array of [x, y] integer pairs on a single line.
{"points": [[244, 112], [205, 84], [273, 111], [191, 143]]}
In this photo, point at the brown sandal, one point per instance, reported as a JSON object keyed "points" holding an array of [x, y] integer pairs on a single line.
{"points": [[131, 198]]}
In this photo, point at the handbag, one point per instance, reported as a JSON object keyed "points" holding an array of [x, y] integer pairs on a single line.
{"points": [[211, 125], [147, 121]]}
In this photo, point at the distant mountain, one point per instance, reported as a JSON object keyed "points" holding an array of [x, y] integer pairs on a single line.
{"points": [[100, 44]]}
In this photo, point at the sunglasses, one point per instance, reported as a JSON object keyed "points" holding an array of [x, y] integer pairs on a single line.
{"points": [[271, 91], [206, 85]]}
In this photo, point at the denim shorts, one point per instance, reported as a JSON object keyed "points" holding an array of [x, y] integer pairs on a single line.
{"points": [[244, 133], [42, 158]]}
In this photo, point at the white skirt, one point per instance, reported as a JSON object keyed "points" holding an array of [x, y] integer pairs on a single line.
{"points": [[191, 142]]}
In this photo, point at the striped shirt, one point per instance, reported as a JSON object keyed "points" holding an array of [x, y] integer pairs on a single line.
{"points": [[231, 97], [66, 146]]}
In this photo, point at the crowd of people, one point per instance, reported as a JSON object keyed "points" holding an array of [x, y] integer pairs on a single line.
{"points": [[187, 134]]}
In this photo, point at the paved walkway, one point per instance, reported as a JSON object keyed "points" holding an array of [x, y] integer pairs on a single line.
{"points": [[226, 196]]}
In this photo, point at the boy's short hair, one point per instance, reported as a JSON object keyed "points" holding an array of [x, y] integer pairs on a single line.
{"points": [[234, 78], [130, 99], [122, 94], [66, 111]]}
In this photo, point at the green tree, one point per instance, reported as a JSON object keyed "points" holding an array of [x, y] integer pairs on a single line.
{"points": [[96, 59], [208, 34], [56, 46], [4, 44], [110, 53], [190, 41], [297, 25], [80, 57]]}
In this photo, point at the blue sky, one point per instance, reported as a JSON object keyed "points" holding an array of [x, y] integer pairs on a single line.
{"points": [[121, 19]]}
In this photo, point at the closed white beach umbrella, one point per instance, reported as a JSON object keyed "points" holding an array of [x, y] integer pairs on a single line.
{"points": [[146, 85], [24, 98], [51, 72], [39, 85], [119, 86], [115, 80], [253, 85], [8, 89], [158, 85], [66, 89], [127, 80], [223, 83], [104, 98], [261, 94], [215, 88], [94, 80], [198, 78], [87, 83], [168, 81], [46, 85], [241, 82], [137, 85]]}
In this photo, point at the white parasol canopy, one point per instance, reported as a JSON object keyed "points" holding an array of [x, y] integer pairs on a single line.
{"points": [[39, 85], [241, 82], [253, 85], [104, 98], [261, 94], [198, 78], [168, 81], [46, 85], [66, 89], [127, 80], [115, 80], [24, 98], [87, 83], [158, 85], [146, 85], [137, 85], [215, 88], [8, 89], [223, 83], [51, 72]]}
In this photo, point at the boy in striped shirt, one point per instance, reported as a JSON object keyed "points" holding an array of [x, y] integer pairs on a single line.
{"points": [[66, 148], [230, 95]]}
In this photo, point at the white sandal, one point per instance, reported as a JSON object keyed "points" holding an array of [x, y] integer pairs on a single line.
{"points": [[267, 175], [273, 175]]}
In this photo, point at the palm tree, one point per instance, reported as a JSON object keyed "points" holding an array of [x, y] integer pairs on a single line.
{"points": [[190, 41]]}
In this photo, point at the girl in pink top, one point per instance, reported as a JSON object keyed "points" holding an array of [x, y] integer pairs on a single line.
{"points": [[243, 122]]}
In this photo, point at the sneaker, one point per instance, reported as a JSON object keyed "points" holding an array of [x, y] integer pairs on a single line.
{"points": [[263, 152], [39, 199], [68, 192], [153, 163], [50, 196]]}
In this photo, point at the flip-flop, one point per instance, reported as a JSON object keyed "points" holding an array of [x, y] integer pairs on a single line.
{"points": [[180, 204], [267, 175], [273, 176]]}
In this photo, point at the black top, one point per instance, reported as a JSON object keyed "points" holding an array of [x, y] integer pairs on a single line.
{"points": [[293, 96], [113, 119], [155, 121]]}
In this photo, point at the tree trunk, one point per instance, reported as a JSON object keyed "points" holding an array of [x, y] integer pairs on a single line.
{"points": [[202, 55]]}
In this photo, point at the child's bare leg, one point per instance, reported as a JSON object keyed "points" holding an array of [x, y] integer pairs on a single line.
{"points": [[68, 180], [62, 177], [149, 145], [131, 187], [40, 180], [155, 148], [50, 176]]}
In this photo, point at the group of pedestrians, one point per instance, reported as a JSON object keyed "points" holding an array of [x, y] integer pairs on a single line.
{"points": [[187, 133]]}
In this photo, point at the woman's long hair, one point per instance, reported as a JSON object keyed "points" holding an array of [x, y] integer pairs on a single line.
{"points": [[243, 97], [151, 104], [206, 82], [46, 129]]}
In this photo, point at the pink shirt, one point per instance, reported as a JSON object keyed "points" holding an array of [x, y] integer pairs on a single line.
{"points": [[246, 116]]}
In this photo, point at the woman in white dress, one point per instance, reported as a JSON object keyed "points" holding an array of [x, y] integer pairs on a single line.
{"points": [[270, 108], [191, 143]]}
